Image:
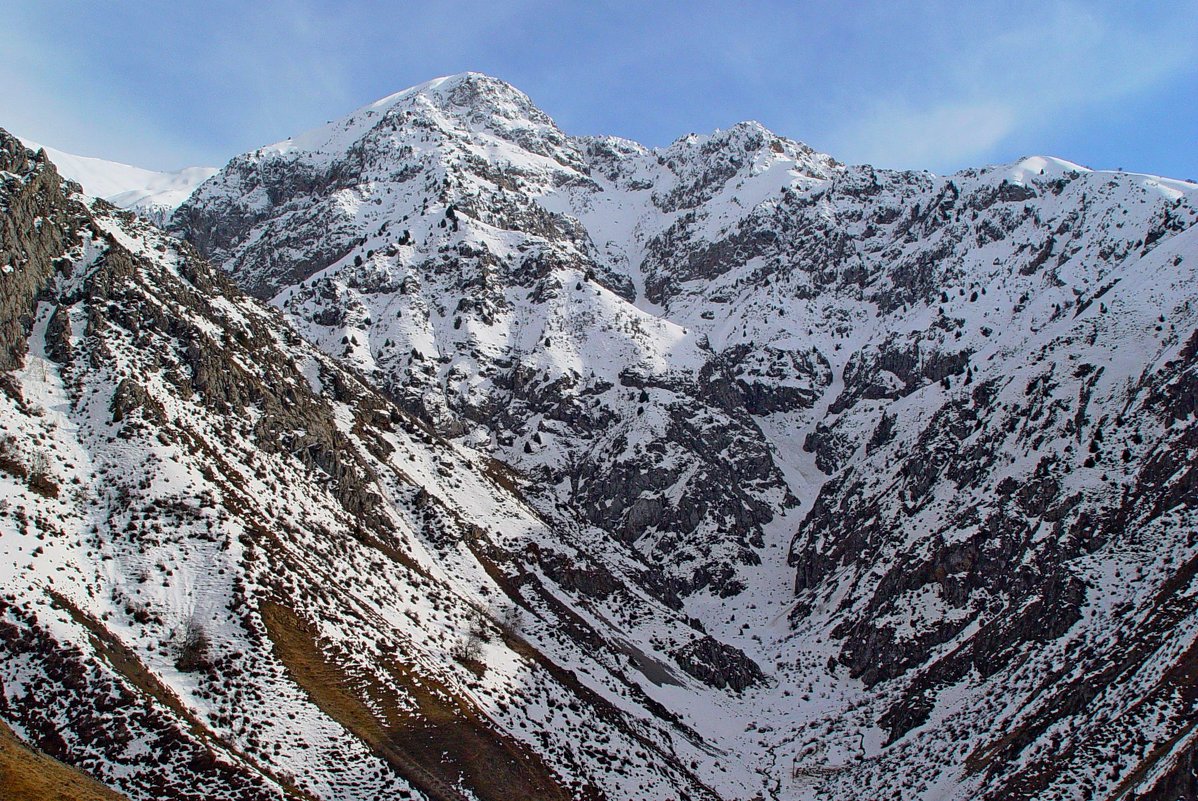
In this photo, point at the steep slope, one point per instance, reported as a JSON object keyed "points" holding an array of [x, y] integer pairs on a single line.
{"points": [[151, 194], [233, 570], [1015, 545], [918, 446]]}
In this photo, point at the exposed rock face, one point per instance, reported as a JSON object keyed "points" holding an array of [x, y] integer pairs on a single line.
{"points": [[893, 370], [718, 664], [34, 216]]}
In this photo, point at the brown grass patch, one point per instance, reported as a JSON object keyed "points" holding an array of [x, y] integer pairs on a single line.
{"points": [[503, 476], [30, 775], [445, 740]]}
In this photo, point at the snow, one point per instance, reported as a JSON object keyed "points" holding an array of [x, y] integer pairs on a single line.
{"points": [[125, 185]]}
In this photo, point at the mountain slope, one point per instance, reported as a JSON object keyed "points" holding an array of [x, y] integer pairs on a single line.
{"points": [[236, 571], [722, 470], [900, 438]]}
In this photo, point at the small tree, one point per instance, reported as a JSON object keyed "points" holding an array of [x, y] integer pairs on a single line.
{"points": [[511, 619], [192, 644], [479, 629], [469, 649], [40, 479]]}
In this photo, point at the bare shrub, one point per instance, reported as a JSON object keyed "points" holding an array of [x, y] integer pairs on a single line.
{"points": [[40, 480], [511, 619], [192, 645]]}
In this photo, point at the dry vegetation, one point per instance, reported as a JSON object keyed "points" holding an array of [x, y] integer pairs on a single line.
{"points": [[28, 775], [446, 742]]}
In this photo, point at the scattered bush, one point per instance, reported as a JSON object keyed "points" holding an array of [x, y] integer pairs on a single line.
{"points": [[511, 620], [40, 480], [192, 646]]}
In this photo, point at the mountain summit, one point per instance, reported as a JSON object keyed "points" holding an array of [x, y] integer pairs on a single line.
{"points": [[466, 99]]}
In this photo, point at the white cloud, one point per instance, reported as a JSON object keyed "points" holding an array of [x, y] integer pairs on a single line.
{"points": [[906, 136], [46, 95], [927, 84], [1023, 75]]}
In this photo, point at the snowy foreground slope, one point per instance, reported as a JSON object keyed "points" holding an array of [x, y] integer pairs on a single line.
{"points": [[151, 194], [810, 480]]}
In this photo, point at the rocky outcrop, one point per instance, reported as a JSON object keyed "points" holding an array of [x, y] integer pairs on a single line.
{"points": [[894, 369], [718, 664], [34, 221]]}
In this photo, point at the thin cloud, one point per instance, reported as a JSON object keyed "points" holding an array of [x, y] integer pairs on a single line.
{"points": [[946, 135], [44, 97], [925, 84], [1040, 72]]}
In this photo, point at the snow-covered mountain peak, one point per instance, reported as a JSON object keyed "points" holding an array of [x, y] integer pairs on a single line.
{"points": [[706, 164], [819, 472], [470, 91], [149, 192], [1051, 168], [1047, 166], [464, 104], [476, 93], [1049, 171], [749, 138]]}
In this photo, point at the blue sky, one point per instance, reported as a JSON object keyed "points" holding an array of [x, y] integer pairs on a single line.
{"points": [[935, 85]]}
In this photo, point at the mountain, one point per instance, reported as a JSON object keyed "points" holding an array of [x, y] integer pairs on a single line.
{"points": [[226, 552], [892, 434], [150, 193], [720, 470]]}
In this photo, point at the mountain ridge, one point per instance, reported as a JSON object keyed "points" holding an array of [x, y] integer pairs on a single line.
{"points": [[152, 193], [906, 285]]}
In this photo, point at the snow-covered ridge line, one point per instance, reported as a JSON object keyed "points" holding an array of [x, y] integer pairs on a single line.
{"points": [[125, 185]]}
